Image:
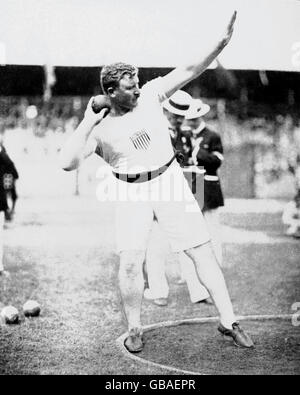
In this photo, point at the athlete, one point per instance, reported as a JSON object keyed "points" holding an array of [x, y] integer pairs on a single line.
{"points": [[134, 139]]}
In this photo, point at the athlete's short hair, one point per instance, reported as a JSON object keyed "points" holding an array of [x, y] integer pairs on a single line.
{"points": [[111, 74]]}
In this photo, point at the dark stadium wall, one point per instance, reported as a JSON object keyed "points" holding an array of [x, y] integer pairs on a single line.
{"points": [[86, 80], [21, 80], [277, 87]]}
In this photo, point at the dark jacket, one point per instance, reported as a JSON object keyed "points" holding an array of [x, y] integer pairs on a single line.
{"points": [[208, 151], [182, 144], [5, 167]]}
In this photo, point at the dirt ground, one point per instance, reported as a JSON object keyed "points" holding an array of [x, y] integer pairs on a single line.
{"points": [[61, 253], [200, 348]]}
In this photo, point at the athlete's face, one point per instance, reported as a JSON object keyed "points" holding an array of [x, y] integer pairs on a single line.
{"points": [[127, 93]]}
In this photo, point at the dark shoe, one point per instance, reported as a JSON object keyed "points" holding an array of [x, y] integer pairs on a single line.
{"points": [[240, 338], [134, 341], [161, 302]]}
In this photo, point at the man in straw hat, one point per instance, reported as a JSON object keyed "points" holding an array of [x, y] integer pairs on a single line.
{"points": [[134, 140], [157, 290], [207, 151], [175, 109]]}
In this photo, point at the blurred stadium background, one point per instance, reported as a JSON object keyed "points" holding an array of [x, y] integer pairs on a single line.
{"points": [[51, 53]]}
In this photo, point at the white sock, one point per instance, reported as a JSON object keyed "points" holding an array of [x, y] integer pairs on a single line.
{"points": [[228, 323]]}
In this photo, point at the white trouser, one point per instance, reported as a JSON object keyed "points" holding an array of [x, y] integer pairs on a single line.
{"points": [[157, 251], [1, 239], [170, 198], [188, 272], [214, 228]]}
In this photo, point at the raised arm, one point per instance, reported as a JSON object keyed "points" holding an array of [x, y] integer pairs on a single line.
{"points": [[179, 77], [81, 143]]}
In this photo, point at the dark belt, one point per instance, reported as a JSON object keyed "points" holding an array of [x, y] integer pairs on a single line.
{"points": [[145, 175]]}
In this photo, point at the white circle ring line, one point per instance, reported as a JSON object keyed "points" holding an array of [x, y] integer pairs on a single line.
{"points": [[120, 340]]}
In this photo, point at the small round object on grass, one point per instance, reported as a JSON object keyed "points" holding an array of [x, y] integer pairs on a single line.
{"points": [[31, 309], [10, 315]]}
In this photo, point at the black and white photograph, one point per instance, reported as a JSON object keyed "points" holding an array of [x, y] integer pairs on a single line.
{"points": [[150, 190]]}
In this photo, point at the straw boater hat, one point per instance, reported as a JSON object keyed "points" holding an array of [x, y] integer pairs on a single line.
{"points": [[197, 109], [179, 103]]}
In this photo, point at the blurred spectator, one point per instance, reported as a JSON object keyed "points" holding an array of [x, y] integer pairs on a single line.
{"points": [[9, 182], [294, 168], [8, 179], [291, 217], [3, 206]]}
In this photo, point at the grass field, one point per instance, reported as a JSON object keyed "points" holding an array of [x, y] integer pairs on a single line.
{"points": [[60, 253]]}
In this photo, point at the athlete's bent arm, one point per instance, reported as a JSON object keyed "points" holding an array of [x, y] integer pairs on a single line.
{"points": [[179, 77], [80, 145]]}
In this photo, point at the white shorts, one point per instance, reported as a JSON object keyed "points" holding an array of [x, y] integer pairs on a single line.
{"points": [[170, 199]]}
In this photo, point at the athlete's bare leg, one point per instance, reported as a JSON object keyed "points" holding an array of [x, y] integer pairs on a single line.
{"points": [[212, 278], [131, 282]]}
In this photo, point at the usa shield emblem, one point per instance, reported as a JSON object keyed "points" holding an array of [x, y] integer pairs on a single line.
{"points": [[141, 140]]}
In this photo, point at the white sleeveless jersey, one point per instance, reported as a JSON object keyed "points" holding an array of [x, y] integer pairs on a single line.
{"points": [[140, 139]]}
